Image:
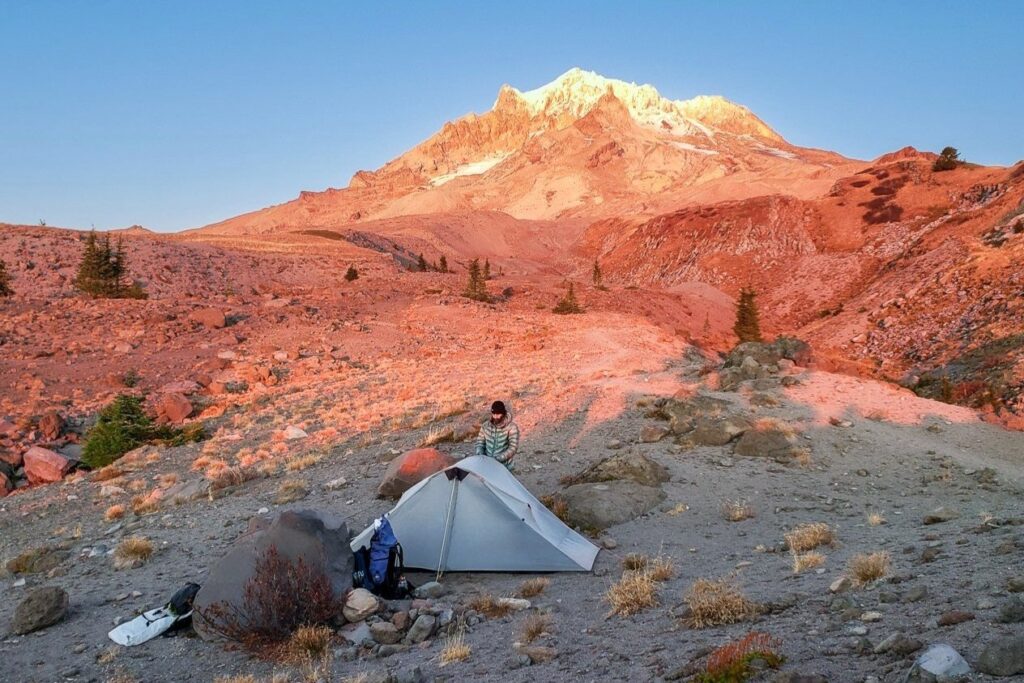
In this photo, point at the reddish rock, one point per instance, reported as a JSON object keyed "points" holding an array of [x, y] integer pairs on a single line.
{"points": [[173, 408], [409, 468], [7, 428], [51, 424], [210, 317], [43, 465], [6, 485]]}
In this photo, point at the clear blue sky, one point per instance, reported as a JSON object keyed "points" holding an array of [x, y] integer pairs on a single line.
{"points": [[177, 114]]}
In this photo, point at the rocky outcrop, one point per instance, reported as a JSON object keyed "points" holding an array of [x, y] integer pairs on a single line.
{"points": [[43, 466], [411, 467]]}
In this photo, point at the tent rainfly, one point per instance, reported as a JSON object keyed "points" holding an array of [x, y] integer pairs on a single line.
{"points": [[476, 516]]}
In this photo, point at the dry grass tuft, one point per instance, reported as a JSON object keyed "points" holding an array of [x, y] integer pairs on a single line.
{"points": [[114, 512], [302, 462], [225, 477], [246, 678], [558, 506], [168, 480], [875, 519], [718, 602], [309, 642], [146, 504], [132, 551], [679, 509], [455, 649], [634, 592], [810, 560], [107, 473], [489, 606], [865, 568], [736, 510], [533, 587], [535, 626], [802, 457], [634, 562], [108, 655], [290, 491], [661, 568], [436, 435], [809, 536]]}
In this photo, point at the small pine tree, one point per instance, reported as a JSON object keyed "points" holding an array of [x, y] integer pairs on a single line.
{"points": [[351, 274], [421, 264], [442, 264], [89, 279], [595, 275], [5, 280], [948, 159], [487, 269], [476, 288], [568, 304], [747, 327], [120, 427]]}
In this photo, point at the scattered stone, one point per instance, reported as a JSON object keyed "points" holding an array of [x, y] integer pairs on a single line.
{"points": [[385, 633], [209, 317], [422, 628], [1003, 657], [632, 466], [51, 424], [41, 608], [515, 604], [769, 441], [609, 543], [1012, 611], [430, 590], [1015, 584], [359, 604], [916, 594], [335, 484], [173, 408], [943, 662], [652, 433], [941, 514], [843, 583], [537, 654], [682, 413], [871, 616], [291, 433], [719, 430], [954, 617]]}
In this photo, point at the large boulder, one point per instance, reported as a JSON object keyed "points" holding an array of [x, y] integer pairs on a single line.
{"points": [[769, 440], [594, 507], [790, 348], [43, 466], [320, 540], [1003, 657], [41, 608], [633, 466], [409, 468], [209, 317], [173, 408], [683, 413]]}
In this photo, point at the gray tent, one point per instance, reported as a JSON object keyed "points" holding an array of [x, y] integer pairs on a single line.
{"points": [[476, 516]]}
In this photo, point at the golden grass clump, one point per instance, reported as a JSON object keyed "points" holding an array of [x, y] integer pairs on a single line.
{"points": [[225, 477], [809, 536], [107, 473], [114, 512], [299, 463], [736, 510], [715, 602], [661, 568], [865, 568], [455, 649], [558, 506], [535, 626], [634, 592], [808, 560], [309, 642], [679, 509], [875, 519], [533, 587], [290, 491], [132, 551], [436, 435], [634, 562], [489, 606], [146, 504]]}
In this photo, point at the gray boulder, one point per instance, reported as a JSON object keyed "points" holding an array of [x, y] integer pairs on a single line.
{"points": [[1003, 657], [421, 628], [595, 507], [769, 441], [683, 413], [633, 466], [318, 539], [41, 608], [718, 430]]}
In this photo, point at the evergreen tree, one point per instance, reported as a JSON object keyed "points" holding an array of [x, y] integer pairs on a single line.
{"points": [[421, 264], [948, 159], [5, 280], [442, 265], [119, 268], [487, 269], [568, 304], [476, 288], [89, 279], [747, 327], [595, 276], [351, 274]]}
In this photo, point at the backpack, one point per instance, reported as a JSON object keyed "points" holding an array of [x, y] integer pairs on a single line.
{"points": [[380, 568]]}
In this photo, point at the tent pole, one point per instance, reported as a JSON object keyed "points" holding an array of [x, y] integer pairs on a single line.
{"points": [[442, 561]]}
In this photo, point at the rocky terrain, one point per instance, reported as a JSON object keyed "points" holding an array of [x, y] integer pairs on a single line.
{"points": [[303, 350]]}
